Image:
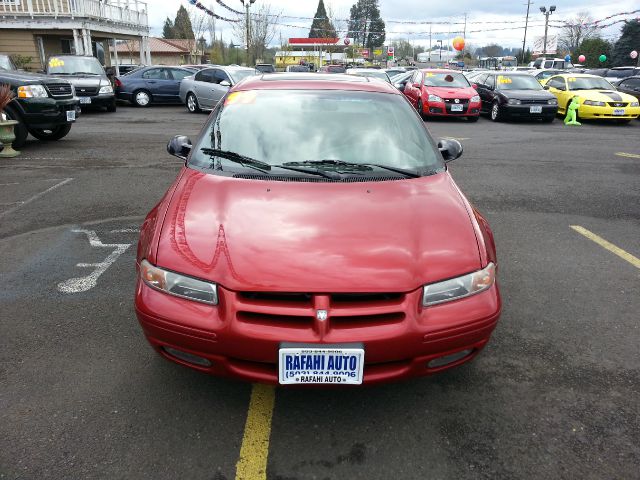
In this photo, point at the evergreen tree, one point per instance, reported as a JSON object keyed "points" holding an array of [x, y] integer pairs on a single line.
{"points": [[628, 41], [168, 30], [592, 48], [366, 26], [182, 25], [322, 26]]}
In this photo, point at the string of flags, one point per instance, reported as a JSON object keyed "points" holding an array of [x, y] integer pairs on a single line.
{"points": [[210, 12]]}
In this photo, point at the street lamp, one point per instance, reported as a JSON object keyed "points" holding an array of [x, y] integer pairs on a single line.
{"points": [[247, 4], [546, 13]]}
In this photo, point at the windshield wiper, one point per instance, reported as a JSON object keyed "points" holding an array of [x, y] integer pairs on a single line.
{"points": [[312, 171], [237, 158], [84, 73], [357, 166]]}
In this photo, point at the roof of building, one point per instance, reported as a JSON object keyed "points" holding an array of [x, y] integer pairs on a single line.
{"points": [[156, 45]]}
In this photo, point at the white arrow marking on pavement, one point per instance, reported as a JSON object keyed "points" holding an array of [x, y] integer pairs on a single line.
{"points": [[83, 284]]}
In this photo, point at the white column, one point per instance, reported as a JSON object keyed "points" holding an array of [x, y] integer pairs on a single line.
{"points": [[143, 50], [148, 51], [76, 43], [115, 57]]}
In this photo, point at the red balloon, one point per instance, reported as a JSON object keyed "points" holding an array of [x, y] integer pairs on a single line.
{"points": [[458, 43], [582, 58]]}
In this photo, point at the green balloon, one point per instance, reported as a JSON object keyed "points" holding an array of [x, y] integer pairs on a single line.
{"points": [[603, 58]]}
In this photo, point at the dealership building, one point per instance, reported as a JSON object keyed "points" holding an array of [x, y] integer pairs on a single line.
{"points": [[319, 51]]}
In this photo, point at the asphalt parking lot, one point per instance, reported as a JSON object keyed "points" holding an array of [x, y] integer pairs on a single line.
{"points": [[554, 395]]}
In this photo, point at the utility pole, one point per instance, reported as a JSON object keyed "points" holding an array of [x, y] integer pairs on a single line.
{"points": [[430, 25], [526, 24], [464, 35], [247, 4], [546, 13]]}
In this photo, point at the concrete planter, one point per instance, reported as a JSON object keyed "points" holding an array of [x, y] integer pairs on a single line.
{"points": [[6, 138]]}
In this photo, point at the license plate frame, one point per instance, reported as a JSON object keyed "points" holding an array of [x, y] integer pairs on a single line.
{"points": [[619, 111], [71, 115], [456, 107], [295, 372], [535, 109], [85, 100]]}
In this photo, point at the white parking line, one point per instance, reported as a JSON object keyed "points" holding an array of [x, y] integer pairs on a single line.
{"points": [[35, 197], [126, 230], [83, 284]]}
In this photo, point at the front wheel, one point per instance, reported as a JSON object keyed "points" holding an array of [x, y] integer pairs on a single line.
{"points": [[420, 108], [111, 108], [549, 119], [192, 103], [20, 130], [51, 134], [496, 114], [623, 121], [473, 119]]}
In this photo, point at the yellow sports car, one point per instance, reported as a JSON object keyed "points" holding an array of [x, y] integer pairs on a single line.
{"points": [[598, 98]]}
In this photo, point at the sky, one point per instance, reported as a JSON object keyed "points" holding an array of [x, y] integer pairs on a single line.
{"points": [[493, 14]]}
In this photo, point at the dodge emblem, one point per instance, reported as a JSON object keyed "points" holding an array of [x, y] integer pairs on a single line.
{"points": [[322, 315]]}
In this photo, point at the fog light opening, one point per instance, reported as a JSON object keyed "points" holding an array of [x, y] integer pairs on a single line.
{"points": [[447, 359], [187, 357]]}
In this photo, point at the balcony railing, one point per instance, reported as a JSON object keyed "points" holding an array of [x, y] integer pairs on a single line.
{"points": [[131, 12]]}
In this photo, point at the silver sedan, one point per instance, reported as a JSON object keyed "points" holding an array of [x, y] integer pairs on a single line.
{"points": [[204, 89]]}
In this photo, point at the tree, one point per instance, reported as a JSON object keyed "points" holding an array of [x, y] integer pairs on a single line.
{"points": [[492, 50], [366, 26], [629, 40], [321, 26], [182, 27], [263, 24], [592, 48], [576, 31], [168, 30]]}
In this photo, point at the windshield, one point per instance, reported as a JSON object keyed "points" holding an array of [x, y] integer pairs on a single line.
{"points": [[74, 66], [238, 75], [589, 83], [517, 82], [6, 63], [279, 126], [451, 80], [370, 73]]}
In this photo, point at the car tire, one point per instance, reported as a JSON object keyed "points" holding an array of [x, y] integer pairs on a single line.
{"points": [[496, 114], [548, 119], [111, 108], [623, 121], [52, 135], [141, 98], [473, 119], [20, 130], [192, 103], [420, 108]]}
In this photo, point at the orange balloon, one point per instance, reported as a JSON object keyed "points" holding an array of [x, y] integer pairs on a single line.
{"points": [[458, 43]]}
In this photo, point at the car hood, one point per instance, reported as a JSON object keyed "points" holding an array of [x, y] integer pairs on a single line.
{"points": [[528, 94], [604, 95], [26, 78], [257, 235], [446, 92], [91, 81]]}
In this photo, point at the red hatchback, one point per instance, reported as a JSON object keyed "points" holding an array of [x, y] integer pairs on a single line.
{"points": [[290, 251], [443, 93]]}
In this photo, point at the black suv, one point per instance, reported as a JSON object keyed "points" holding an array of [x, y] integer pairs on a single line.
{"points": [[44, 106]]}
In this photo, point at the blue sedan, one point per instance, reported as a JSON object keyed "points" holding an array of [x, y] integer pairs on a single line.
{"points": [[148, 85]]}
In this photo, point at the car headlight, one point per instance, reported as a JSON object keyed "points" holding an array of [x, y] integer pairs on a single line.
{"points": [[514, 101], [635, 104], [552, 101], [435, 98], [460, 287], [475, 99], [594, 103], [178, 285], [32, 91], [106, 89]]}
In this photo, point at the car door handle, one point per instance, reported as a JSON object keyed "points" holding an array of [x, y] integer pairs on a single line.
{"points": [[151, 81]]}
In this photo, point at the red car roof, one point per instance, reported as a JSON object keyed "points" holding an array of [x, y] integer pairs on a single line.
{"points": [[315, 81]]}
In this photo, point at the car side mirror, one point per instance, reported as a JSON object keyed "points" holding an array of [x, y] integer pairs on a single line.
{"points": [[179, 146], [546, 87], [474, 86], [225, 83], [450, 149], [416, 85]]}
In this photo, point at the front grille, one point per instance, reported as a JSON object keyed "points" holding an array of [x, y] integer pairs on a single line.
{"points": [[617, 104], [86, 91], [453, 100], [465, 106], [286, 178], [534, 102], [59, 90], [297, 310]]}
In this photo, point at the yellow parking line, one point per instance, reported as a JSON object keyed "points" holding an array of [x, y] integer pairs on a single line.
{"points": [[607, 245], [628, 155], [252, 464]]}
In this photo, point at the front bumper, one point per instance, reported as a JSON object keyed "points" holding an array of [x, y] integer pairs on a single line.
{"points": [[103, 100], [524, 111], [587, 112], [46, 113], [441, 109], [240, 345]]}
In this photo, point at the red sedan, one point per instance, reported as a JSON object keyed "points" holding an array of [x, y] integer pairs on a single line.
{"points": [[443, 93], [291, 251]]}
